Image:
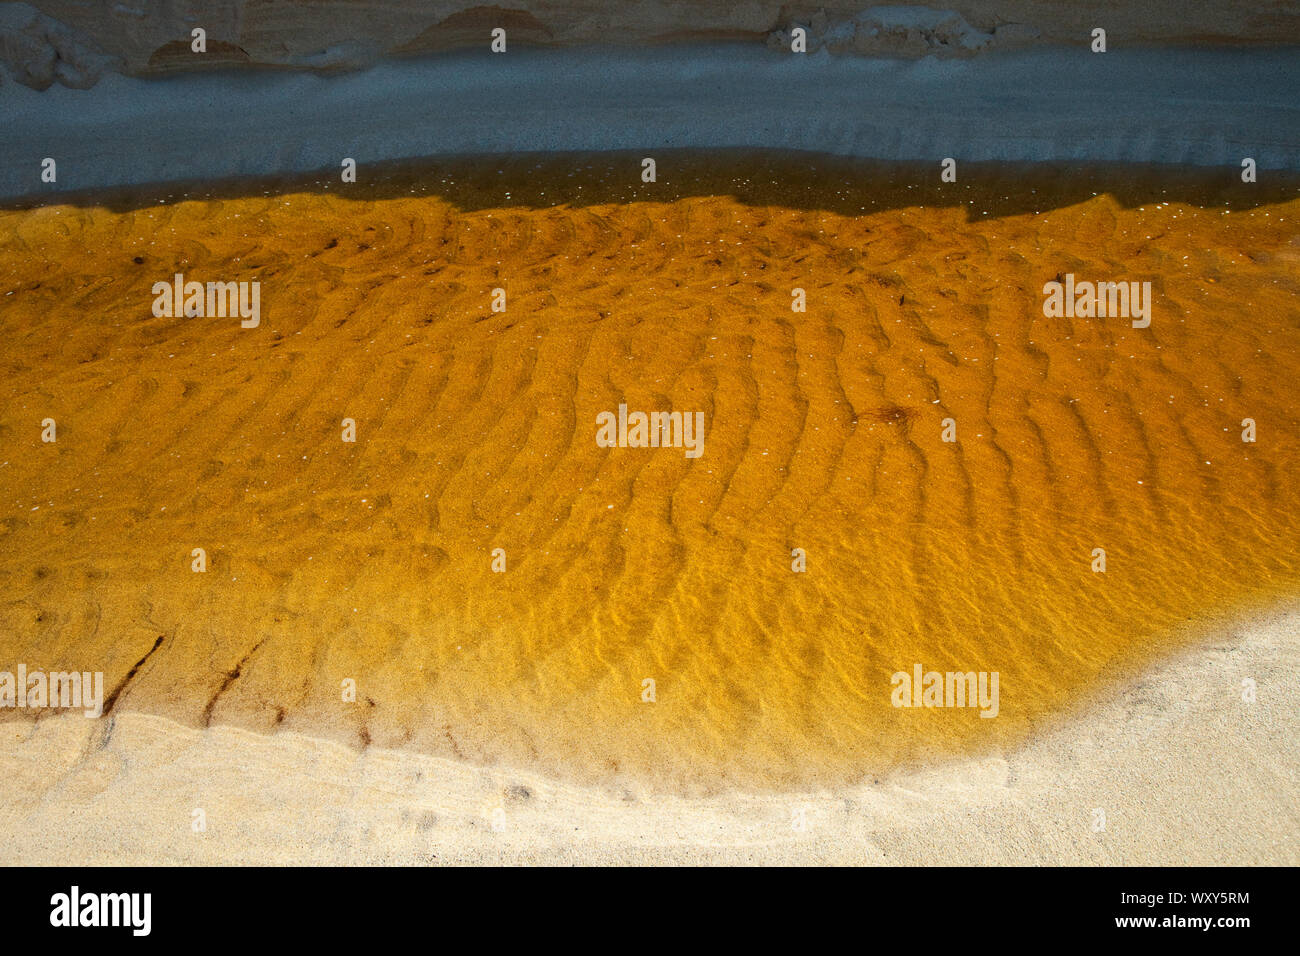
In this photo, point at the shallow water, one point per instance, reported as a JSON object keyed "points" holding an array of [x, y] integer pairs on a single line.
{"points": [[476, 430]]}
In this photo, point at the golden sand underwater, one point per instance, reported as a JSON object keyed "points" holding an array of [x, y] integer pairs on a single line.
{"points": [[475, 430]]}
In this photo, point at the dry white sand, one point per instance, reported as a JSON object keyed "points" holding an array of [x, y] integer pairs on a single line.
{"points": [[1185, 770]]}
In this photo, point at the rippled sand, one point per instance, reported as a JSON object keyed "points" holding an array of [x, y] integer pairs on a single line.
{"points": [[476, 431]]}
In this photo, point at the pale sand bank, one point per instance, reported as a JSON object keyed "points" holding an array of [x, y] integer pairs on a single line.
{"points": [[1185, 770]]}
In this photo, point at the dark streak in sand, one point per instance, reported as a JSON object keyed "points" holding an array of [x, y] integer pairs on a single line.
{"points": [[130, 675], [231, 677]]}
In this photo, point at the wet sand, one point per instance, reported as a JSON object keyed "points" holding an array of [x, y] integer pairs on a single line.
{"points": [[1173, 769], [476, 430]]}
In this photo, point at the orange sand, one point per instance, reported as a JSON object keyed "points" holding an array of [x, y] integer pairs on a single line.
{"points": [[476, 431]]}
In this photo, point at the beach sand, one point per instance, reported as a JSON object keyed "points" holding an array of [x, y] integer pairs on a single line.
{"points": [[1181, 768], [372, 561]]}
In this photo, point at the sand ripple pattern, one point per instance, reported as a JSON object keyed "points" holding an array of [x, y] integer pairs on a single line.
{"points": [[476, 430]]}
